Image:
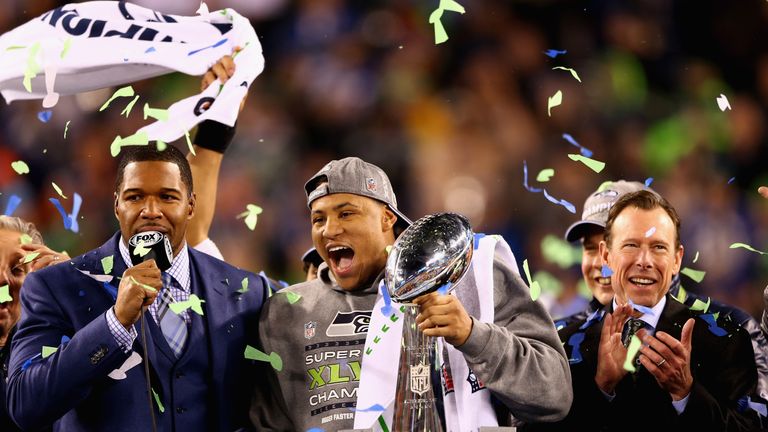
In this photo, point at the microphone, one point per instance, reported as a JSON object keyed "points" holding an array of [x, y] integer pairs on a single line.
{"points": [[159, 249]]}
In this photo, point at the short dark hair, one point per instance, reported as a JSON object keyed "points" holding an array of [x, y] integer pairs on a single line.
{"points": [[645, 200], [149, 153]]}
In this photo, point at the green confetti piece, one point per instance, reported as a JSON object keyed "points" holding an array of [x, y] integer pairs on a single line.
{"points": [[66, 128], [32, 67], [65, 49], [243, 286], [107, 263], [292, 296], [139, 138], [5, 294], [58, 190], [195, 303], [48, 350], [189, 144], [696, 258], [747, 247], [594, 165], [157, 401], [145, 286], [121, 92], [25, 239], [573, 72], [140, 249], [251, 215], [534, 285], [161, 146], [20, 167], [700, 306], [545, 175], [155, 113], [127, 110], [605, 185], [682, 295], [28, 258], [388, 249], [15, 47], [273, 359], [632, 350], [696, 275], [553, 101], [434, 18]]}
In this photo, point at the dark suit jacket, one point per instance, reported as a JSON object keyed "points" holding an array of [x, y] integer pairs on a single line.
{"points": [[61, 301], [723, 370]]}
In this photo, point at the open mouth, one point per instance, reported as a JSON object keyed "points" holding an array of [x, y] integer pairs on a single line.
{"points": [[603, 281], [641, 281], [341, 259]]}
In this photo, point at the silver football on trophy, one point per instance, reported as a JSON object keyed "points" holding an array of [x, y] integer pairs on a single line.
{"points": [[434, 251]]}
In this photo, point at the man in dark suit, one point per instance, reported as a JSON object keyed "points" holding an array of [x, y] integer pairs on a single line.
{"points": [[692, 372], [89, 312]]}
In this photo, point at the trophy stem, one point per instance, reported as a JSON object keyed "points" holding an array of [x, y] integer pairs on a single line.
{"points": [[415, 403]]}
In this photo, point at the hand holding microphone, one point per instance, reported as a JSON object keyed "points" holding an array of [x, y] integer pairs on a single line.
{"points": [[133, 293]]}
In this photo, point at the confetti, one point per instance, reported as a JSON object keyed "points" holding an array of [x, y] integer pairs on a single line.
{"points": [[559, 251], [127, 110], [20, 167], [77, 201], [573, 72], [552, 53], [696, 258], [525, 179], [189, 144], [640, 308], [604, 186], [583, 150], [161, 146], [44, 116], [730, 180], [13, 203], [568, 206], [157, 400], [696, 275], [65, 49], [107, 263], [32, 67], [217, 44], [51, 98], [606, 271], [5, 295], [274, 359], [722, 103], [648, 181], [28, 258], [632, 350], [650, 232], [712, 325], [594, 165], [143, 285], [545, 175], [292, 296], [388, 249], [139, 138], [699, 305], [64, 216], [140, 249], [553, 101], [48, 350], [195, 303], [130, 363], [372, 408], [243, 286], [150, 50], [434, 18], [681, 295], [535, 288], [387, 308], [443, 290], [58, 190], [121, 92], [747, 247], [25, 239], [155, 113], [203, 9], [66, 128], [575, 341], [251, 215]]}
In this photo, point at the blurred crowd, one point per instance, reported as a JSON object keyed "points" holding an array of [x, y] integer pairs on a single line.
{"points": [[452, 124]]}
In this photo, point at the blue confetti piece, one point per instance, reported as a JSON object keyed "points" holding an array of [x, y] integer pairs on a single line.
{"points": [[476, 240], [583, 150], [315, 430], [110, 289], [593, 318], [65, 339], [13, 203], [77, 201], [525, 179], [640, 308], [648, 181], [387, 308], [575, 341], [28, 363], [150, 50], [606, 271], [44, 116], [712, 325], [62, 212], [731, 180], [443, 290], [219, 43], [552, 53], [758, 407], [568, 206], [373, 408]]}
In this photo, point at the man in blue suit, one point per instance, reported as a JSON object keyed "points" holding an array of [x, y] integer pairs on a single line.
{"points": [[89, 312]]}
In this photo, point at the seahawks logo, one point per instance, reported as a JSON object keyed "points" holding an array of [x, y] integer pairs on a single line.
{"points": [[349, 324]]}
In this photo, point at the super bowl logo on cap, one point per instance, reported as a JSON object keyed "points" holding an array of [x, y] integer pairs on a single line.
{"points": [[146, 238], [370, 184]]}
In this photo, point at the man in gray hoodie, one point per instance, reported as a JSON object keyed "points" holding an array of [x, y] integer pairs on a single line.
{"points": [[319, 327]]}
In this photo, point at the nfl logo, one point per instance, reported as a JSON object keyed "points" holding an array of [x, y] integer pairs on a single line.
{"points": [[309, 329], [370, 184], [474, 382], [420, 379]]}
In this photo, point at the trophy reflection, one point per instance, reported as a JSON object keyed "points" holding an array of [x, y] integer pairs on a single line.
{"points": [[432, 253]]}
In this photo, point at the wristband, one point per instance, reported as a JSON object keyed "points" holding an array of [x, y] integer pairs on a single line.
{"points": [[213, 135]]}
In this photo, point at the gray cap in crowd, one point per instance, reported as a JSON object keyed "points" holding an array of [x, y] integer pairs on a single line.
{"points": [[597, 206], [311, 256], [354, 176]]}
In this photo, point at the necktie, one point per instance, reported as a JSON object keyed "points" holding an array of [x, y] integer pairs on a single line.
{"points": [[173, 326], [631, 327]]}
